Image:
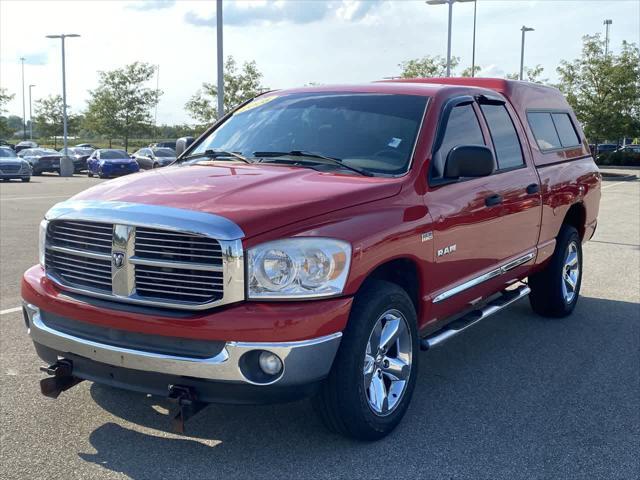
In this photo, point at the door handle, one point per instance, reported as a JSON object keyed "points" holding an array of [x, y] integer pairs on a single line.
{"points": [[493, 200], [533, 188]]}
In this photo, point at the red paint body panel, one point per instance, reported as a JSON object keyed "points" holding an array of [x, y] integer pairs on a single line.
{"points": [[382, 218]]}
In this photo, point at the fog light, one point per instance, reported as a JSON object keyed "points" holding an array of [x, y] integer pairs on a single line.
{"points": [[270, 363]]}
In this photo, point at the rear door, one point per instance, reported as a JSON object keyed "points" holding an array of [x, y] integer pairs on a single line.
{"points": [[484, 225]]}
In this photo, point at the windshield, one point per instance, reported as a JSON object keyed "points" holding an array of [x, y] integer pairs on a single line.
{"points": [[164, 152], [371, 131], [113, 154], [7, 153]]}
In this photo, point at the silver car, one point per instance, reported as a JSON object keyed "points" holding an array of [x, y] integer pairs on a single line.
{"points": [[11, 166], [154, 157]]}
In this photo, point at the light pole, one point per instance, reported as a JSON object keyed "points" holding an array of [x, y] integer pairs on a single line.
{"points": [[24, 120], [30, 119], [66, 164], [473, 51], [523, 30], [607, 24], [450, 4], [220, 59]]}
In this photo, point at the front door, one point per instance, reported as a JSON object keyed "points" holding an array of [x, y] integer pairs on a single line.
{"points": [[486, 228]]}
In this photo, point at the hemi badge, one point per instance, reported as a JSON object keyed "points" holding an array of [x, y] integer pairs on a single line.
{"points": [[427, 236]]}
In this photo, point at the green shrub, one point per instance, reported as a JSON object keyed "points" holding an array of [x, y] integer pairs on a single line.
{"points": [[628, 159]]}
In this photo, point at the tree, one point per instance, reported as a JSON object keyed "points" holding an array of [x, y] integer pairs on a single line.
{"points": [[121, 105], [5, 97], [531, 74], [239, 86], [604, 90], [428, 66], [467, 71], [48, 117]]}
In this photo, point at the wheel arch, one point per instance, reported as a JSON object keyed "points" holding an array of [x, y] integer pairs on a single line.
{"points": [[576, 216], [402, 271]]}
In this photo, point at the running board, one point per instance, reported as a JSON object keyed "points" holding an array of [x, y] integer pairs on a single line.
{"points": [[457, 326]]}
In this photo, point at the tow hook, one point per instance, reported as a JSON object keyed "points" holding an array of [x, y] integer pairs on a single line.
{"points": [[61, 378], [187, 406]]}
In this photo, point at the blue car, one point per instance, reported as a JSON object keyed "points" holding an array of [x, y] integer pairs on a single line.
{"points": [[107, 162]]}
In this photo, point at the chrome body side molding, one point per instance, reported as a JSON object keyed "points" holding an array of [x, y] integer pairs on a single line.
{"points": [[484, 277]]}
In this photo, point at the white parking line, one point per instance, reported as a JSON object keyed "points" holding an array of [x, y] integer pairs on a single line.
{"points": [[618, 183], [10, 310]]}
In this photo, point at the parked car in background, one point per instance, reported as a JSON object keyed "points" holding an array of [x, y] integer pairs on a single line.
{"points": [[606, 147], [167, 144], [24, 145], [79, 156], [109, 162], [154, 157], [86, 145], [12, 166], [41, 159], [4, 143], [629, 148]]}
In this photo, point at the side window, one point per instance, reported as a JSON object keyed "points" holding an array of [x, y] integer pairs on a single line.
{"points": [[566, 132], [544, 130], [462, 128], [504, 136]]}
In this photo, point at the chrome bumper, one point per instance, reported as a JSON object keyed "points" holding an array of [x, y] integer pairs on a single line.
{"points": [[303, 361]]}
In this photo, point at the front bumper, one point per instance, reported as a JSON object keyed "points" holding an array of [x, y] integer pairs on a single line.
{"points": [[116, 170], [303, 361]]}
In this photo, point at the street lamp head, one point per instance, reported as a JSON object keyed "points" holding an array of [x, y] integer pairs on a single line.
{"points": [[444, 2], [608, 22], [63, 35], [527, 29]]}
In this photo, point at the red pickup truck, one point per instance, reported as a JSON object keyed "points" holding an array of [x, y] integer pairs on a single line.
{"points": [[312, 241]]}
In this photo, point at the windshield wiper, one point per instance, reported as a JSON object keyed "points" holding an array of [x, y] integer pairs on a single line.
{"points": [[215, 154], [302, 153]]}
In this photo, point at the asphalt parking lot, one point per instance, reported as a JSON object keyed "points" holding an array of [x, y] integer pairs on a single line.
{"points": [[517, 396]]}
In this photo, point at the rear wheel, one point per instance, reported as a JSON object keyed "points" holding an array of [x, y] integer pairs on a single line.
{"points": [[556, 289], [26, 179], [374, 373], [89, 173]]}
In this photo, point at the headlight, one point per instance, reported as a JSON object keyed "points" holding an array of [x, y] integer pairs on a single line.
{"points": [[42, 240], [298, 268]]}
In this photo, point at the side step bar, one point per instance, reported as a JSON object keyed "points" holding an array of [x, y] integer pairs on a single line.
{"points": [[471, 318]]}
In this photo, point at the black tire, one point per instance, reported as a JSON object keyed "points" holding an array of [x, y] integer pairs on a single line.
{"points": [[89, 174], [28, 179], [547, 297], [342, 403], [155, 165]]}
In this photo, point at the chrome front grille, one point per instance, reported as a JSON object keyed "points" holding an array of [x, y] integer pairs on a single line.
{"points": [[80, 270], [140, 264], [86, 236]]}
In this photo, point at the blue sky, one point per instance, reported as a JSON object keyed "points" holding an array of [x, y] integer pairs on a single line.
{"points": [[293, 42]]}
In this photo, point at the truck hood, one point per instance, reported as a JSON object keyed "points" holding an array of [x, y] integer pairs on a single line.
{"points": [[258, 198]]}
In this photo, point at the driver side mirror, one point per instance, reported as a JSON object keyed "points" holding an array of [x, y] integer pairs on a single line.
{"points": [[182, 144], [469, 161]]}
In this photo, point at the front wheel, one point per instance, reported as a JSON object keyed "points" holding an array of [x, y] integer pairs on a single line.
{"points": [[555, 290], [374, 373]]}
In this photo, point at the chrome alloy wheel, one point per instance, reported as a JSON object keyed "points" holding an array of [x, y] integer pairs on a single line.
{"points": [[387, 362], [570, 272]]}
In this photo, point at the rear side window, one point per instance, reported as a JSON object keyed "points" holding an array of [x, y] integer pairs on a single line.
{"points": [[566, 132], [544, 130], [462, 129], [504, 136]]}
